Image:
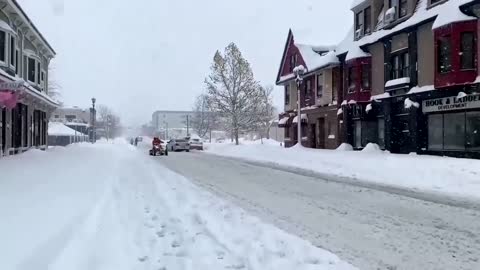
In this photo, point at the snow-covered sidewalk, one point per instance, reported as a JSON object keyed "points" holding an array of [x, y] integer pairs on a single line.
{"points": [[439, 175], [111, 206]]}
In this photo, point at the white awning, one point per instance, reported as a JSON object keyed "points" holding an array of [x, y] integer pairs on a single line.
{"points": [[304, 117], [283, 121]]}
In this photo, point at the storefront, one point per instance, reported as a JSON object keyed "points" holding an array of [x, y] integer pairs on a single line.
{"points": [[322, 129], [365, 123], [23, 117], [453, 124]]}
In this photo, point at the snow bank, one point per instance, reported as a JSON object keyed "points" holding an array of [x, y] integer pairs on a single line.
{"points": [[451, 176], [345, 147], [372, 148], [59, 129]]}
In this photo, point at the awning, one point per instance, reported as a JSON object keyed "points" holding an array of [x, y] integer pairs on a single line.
{"points": [[8, 99], [283, 122], [304, 119]]}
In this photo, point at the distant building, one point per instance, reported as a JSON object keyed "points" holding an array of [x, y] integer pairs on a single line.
{"points": [[75, 118], [166, 120]]}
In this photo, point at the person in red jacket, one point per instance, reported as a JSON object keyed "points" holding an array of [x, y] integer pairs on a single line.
{"points": [[156, 141]]}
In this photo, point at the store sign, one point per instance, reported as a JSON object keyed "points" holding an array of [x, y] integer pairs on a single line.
{"points": [[451, 103], [11, 86]]}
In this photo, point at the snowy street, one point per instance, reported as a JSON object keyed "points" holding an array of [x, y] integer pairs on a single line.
{"points": [[111, 206], [368, 228]]}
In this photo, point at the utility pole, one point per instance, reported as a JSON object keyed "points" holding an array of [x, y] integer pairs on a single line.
{"points": [[299, 71]]}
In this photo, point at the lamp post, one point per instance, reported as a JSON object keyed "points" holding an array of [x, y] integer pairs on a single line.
{"points": [[299, 71], [93, 118]]}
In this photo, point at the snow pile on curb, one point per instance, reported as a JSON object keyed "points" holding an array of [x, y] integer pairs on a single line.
{"points": [[451, 176], [345, 147]]}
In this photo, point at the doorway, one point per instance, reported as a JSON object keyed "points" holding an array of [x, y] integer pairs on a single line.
{"points": [[313, 136], [321, 133], [401, 138]]}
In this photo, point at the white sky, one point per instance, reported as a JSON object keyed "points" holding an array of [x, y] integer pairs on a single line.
{"points": [[146, 55]]}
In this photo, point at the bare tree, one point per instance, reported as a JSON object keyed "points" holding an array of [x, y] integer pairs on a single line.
{"points": [[108, 120], [233, 91], [54, 88], [266, 114]]}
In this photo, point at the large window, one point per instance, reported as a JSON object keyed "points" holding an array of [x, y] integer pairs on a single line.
{"points": [[435, 132], [357, 134], [381, 132], [366, 76], [444, 58], [351, 79], [3, 47], [320, 85], [358, 21], [473, 131], [403, 9], [287, 95], [293, 61], [454, 131], [400, 66], [467, 54]]}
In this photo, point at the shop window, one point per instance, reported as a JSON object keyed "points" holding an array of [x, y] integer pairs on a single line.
{"points": [[381, 132], [366, 76], [357, 134], [12, 51], [351, 79], [473, 131], [319, 85], [3, 47], [369, 132], [287, 133], [435, 132], [444, 58], [467, 53], [287, 95], [454, 131]]}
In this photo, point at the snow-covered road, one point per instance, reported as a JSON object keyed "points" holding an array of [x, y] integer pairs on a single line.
{"points": [[113, 207], [371, 229]]}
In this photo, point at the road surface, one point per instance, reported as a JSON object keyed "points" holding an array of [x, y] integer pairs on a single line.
{"points": [[368, 228]]}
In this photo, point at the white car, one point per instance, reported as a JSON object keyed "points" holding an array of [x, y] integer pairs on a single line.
{"points": [[196, 144], [175, 145]]}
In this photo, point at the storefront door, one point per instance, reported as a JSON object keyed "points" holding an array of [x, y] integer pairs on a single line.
{"points": [[320, 133], [401, 137]]}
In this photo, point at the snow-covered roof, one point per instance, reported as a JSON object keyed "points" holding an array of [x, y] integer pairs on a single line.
{"points": [[357, 3], [449, 13], [398, 81], [356, 52], [313, 60], [59, 129], [421, 14], [283, 121], [312, 36]]}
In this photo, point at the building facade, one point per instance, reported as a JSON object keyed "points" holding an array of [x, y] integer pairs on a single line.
{"points": [[410, 77], [25, 106]]}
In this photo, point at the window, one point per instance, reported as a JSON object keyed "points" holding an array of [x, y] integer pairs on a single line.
{"points": [[403, 9], [454, 131], [381, 132], [400, 66], [56, 116], [369, 132], [367, 14], [357, 136], [358, 21], [308, 89], [12, 51], [3, 47], [435, 132], [17, 69], [293, 61], [473, 131], [70, 118], [351, 79], [42, 79], [467, 53], [444, 58], [320, 85], [366, 75], [31, 70], [287, 95], [38, 72]]}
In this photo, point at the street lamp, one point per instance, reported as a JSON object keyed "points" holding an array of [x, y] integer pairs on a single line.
{"points": [[299, 71], [93, 117]]}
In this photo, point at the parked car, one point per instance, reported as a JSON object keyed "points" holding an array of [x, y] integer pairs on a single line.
{"points": [[196, 144], [178, 145], [140, 139]]}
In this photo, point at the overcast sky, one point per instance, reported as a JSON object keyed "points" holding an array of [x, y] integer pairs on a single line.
{"points": [[146, 55]]}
